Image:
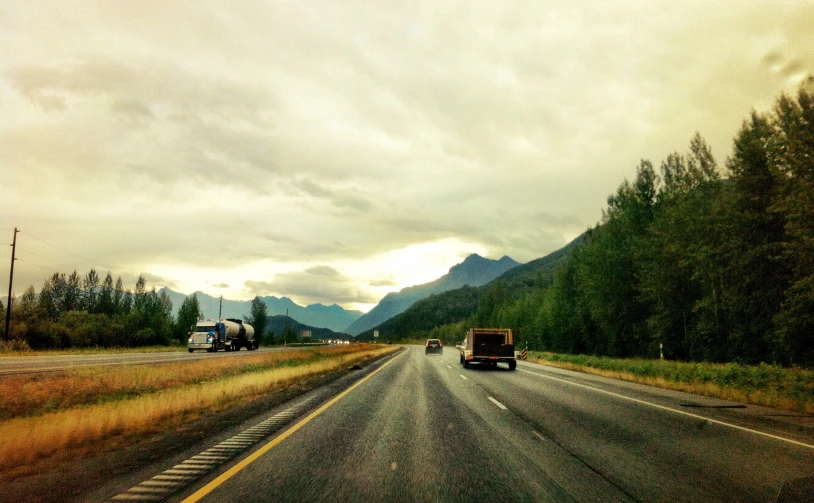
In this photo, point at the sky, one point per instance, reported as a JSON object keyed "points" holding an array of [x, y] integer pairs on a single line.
{"points": [[332, 151]]}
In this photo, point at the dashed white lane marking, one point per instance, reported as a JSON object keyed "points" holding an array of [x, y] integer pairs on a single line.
{"points": [[538, 435], [500, 405], [662, 407], [161, 486], [449, 367], [462, 377]]}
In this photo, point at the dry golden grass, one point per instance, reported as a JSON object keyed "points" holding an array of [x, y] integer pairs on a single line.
{"points": [[770, 397], [26, 439], [21, 348], [33, 394]]}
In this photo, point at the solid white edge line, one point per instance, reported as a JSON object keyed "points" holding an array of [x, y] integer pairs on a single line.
{"points": [[497, 403], [662, 407]]}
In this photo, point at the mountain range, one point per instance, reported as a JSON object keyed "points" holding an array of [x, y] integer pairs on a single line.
{"points": [[333, 317], [460, 303], [473, 271]]}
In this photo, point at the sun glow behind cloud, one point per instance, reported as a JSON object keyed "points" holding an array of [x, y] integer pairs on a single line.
{"points": [[361, 282]]}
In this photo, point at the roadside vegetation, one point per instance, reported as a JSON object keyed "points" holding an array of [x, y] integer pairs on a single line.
{"points": [[784, 388], [73, 311], [42, 415], [15, 348]]}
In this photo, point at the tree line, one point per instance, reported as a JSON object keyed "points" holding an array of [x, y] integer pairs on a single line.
{"points": [[73, 311], [702, 262]]}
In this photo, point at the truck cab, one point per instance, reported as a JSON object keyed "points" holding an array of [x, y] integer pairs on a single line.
{"points": [[229, 335], [488, 346], [206, 336]]}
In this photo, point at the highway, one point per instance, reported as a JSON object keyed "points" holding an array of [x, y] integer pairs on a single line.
{"points": [[51, 363], [423, 428]]}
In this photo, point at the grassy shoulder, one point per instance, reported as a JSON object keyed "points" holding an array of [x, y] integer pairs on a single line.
{"points": [[770, 385], [23, 350], [45, 415]]}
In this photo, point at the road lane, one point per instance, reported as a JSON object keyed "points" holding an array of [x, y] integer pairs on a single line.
{"points": [[652, 453], [417, 431], [52, 363]]}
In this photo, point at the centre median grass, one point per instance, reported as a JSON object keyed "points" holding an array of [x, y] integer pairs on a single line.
{"points": [[43, 415], [789, 389]]}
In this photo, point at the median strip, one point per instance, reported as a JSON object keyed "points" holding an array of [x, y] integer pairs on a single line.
{"points": [[45, 417]]}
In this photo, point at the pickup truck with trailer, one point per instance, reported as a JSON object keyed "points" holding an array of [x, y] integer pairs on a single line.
{"points": [[488, 346], [229, 335]]}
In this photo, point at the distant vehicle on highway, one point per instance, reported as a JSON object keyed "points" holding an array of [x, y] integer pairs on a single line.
{"points": [[229, 335], [433, 346], [488, 346]]}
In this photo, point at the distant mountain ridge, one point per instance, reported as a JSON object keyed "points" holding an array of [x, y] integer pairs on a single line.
{"points": [[458, 304], [333, 317], [473, 271], [278, 323]]}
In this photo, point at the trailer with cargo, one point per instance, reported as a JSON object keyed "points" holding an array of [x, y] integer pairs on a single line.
{"points": [[488, 346], [227, 334]]}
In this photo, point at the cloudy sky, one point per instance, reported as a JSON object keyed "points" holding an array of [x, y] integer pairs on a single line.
{"points": [[332, 151]]}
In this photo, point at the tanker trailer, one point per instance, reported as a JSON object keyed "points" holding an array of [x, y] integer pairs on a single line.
{"points": [[229, 335]]}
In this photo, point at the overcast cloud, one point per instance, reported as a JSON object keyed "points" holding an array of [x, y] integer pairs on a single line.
{"points": [[336, 151]]}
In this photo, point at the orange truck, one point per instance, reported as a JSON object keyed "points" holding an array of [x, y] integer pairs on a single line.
{"points": [[488, 346]]}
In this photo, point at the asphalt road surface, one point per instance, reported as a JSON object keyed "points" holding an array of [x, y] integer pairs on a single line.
{"points": [[423, 428], [32, 364]]}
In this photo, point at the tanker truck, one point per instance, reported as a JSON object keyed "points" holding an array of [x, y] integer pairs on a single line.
{"points": [[229, 334]]}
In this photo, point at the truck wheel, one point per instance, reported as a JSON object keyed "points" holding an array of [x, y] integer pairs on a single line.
{"points": [[210, 350], [466, 364], [190, 350], [512, 365]]}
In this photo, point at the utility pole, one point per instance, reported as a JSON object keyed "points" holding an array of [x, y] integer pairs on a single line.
{"points": [[220, 309], [10, 281]]}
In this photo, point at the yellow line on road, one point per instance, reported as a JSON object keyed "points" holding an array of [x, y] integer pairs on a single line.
{"points": [[231, 472], [670, 409]]}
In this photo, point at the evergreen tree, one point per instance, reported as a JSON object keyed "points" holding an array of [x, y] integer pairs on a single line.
{"points": [[188, 314], [105, 299], [72, 299], [90, 287], [118, 297], [258, 319], [794, 140]]}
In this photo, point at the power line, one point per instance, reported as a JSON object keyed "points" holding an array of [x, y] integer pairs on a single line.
{"points": [[44, 267], [46, 258], [93, 262]]}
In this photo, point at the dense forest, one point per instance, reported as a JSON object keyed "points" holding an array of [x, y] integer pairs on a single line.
{"points": [[713, 263], [77, 312], [74, 311]]}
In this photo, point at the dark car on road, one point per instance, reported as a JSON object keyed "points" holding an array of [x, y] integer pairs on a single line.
{"points": [[433, 346]]}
